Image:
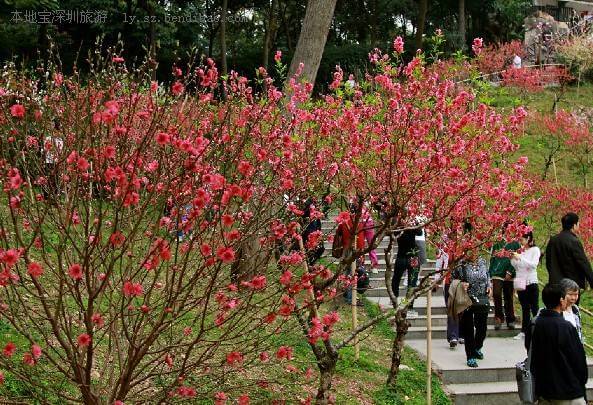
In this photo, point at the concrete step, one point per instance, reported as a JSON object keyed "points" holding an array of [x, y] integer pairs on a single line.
{"points": [[377, 280], [438, 304], [500, 356], [382, 291], [440, 332], [440, 320], [491, 393]]}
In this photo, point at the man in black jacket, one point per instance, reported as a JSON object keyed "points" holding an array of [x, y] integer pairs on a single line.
{"points": [[558, 361], [565, 256]]}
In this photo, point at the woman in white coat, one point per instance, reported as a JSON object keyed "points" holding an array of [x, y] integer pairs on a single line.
{"points": [[525, 263]]}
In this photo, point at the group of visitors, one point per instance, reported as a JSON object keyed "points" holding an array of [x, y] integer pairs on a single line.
{"points": [[553, 335], [411, 252]]}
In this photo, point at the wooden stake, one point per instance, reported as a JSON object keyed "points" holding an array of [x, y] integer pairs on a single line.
{"points": [[428, 347], [354, 311]]}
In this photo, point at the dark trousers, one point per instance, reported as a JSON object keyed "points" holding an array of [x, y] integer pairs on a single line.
{"points": [[500, 289], [401, 265], [529, 304], [473, 327], [452, 323]]}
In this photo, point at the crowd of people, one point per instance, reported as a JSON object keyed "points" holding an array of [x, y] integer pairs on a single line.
{"points": [[552, 335]]}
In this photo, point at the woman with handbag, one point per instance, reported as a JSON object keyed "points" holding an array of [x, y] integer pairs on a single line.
{"points": [[473, 272], [525, 263]]}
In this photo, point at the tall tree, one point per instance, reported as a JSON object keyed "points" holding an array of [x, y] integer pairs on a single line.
{"points": [[223, 15], [309, 49], [271, 26], [422, 10], [462, 24]]}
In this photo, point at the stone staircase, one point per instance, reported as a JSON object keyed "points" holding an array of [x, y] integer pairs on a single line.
{"points": [[493, 382], [378, 293]]}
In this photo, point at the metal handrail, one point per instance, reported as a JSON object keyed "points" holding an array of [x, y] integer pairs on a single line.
{"points": [[541, 65]]}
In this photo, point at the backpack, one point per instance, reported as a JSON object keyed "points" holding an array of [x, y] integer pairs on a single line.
{"points": [[338, 244]]}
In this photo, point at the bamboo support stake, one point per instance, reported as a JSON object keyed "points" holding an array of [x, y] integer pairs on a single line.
{"points": [[354, 310], [428, 346]]}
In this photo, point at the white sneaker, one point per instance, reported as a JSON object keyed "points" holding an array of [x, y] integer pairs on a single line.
{"points": [[375, 270], [412, 314], [520, 336]]}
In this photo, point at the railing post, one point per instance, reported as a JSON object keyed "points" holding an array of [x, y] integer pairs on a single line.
{"points": [[428, 346], [354, 309]]}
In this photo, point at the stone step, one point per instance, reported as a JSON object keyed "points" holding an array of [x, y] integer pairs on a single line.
{"points": [[377, 280], [440, 332], [438, 304], [491, 393], [500, 356], [382, 291], [379, 249], [441, 320]]}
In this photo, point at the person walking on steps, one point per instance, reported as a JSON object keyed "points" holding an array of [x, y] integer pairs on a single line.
{"points": [[565, 256], [572, 312], [473, 273], [502, 274], [558, 362], [525, 264], [345, 233], [441, 267], [406, 260]]}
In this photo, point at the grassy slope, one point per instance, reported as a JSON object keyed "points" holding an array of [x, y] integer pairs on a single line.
{"points": [[363, 381], [573, 99]]}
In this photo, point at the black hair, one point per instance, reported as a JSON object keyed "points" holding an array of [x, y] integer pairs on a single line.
{"points": [[569, 221], [467, 226], [552, 294], [529, 237]]}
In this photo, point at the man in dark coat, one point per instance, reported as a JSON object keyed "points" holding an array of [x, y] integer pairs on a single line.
{"points": [[565, 256], [558, 361]]}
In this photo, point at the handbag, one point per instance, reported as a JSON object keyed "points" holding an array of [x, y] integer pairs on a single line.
{"points": [[480, 304], [525, 381], [520, 284]]}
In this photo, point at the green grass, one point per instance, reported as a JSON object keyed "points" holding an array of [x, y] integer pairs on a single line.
{"points": [[412, 381]]}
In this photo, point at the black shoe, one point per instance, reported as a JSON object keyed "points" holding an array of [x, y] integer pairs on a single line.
{"points": [[511, 325], [453, 343]]}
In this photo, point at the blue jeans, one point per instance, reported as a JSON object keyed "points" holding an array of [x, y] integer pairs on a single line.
{"points": [[348, 295], [452, 323]]}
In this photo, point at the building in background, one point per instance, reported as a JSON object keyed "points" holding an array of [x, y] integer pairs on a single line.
{"points": [[565, 11]]}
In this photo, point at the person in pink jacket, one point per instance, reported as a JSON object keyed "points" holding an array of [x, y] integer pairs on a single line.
{"points": [[369, 233]]}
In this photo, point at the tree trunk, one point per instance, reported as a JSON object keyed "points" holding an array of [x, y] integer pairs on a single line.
{"points": [[311, 44], [422, 10], [327, 367], [286, 29], [223, 15], [270, 33], [462, 24], [402, 326], [374, 25], [152, 40]]}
